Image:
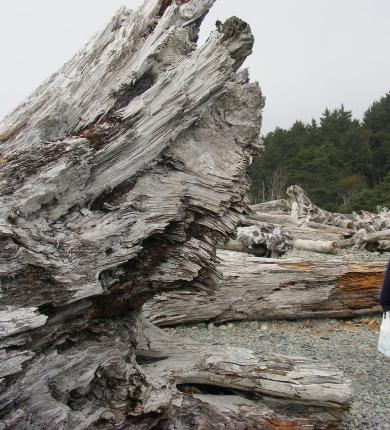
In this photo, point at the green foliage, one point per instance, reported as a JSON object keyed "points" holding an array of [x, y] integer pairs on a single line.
{"points": [[343, 164], [377, 116]]}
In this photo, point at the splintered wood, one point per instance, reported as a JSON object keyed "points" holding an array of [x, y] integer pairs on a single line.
{"points": [[254, 288], [118, 177]]}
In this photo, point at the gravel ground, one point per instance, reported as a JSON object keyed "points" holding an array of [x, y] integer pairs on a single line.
{"points": [[344, 254], [350, 344]]}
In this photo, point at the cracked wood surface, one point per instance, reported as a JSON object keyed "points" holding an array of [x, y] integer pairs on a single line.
{"points": [[118, 177], [254, 288]]}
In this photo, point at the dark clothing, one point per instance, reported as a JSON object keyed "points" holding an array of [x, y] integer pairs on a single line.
{"points": [[385, 292]]}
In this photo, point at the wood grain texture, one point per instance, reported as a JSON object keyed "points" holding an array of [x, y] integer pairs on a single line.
{"points": [[118, 177], [258, 391], [254, 288]]}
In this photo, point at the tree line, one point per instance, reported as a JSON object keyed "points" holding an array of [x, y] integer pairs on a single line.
{"points": [[341, 162]]}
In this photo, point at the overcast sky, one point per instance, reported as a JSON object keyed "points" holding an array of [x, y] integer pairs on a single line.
{"points": [[309, 54]]}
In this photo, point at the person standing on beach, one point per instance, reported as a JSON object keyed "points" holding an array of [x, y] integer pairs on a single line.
{"points": [[384, 332], [385, 292]]}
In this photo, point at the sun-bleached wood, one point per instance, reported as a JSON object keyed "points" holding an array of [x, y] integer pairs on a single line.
{"points": [[261, 240], [257, 389], [315, 229], [118, 177], [254, 288]]}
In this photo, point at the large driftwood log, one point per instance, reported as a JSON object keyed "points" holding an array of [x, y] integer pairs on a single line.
{"points": [[118, 177], [256, 288], [243, 390]]}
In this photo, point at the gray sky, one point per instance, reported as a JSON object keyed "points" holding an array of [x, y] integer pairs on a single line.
{"points": [[309, 54]]}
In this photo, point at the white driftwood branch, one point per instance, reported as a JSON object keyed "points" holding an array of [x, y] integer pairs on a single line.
{"points": [[315, 245]]}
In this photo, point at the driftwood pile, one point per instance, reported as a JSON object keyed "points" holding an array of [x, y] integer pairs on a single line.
{"points": [[254, 288], [118, 177], [305, 226]]}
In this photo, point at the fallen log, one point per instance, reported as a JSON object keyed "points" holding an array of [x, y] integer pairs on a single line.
{"points": [[256, 288], [372, 222], [325, 247], [274, 206], [375, 241], [312, 234], [243, 389], [376, 236], [383, 246], [271, 218], [305, 212], [315, 229], [310, 231], [346, 232]]}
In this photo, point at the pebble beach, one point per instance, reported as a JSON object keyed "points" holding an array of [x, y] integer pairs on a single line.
{"points": [[351, 345]]}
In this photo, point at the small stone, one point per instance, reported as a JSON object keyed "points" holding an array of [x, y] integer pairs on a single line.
{"points": [[264, 327], [230, 325], [107, 416], [201, 325], [211, 326], [254, 325]]}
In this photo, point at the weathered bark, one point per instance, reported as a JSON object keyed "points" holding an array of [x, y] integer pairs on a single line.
{"points": [[274, 206], [241, 387], [118, 177], [261, 240], [364, 228], [255, 288], [284, 236], [318, 230], [304, 211], [372, 222]]}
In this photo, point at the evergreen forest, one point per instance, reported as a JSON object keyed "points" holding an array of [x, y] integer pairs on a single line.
{"points": [[342, 163]]}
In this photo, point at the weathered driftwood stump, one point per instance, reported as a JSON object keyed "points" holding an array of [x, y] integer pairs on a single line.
{"points": [[118, 176]]}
